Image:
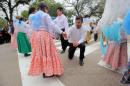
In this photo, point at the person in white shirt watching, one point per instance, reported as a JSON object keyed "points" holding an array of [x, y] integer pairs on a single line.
{"points": [[75, 36], [62, 22]]}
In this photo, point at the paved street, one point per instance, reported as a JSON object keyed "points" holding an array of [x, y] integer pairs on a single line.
{"points": [[90, 74], [9, 68]]}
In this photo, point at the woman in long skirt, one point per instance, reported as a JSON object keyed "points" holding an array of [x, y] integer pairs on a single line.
{"points": [[116, 55], [22, 40], [114, 9], [45, 59]]}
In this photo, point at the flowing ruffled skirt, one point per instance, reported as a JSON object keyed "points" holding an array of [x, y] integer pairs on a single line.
{"points": [[45, 59], [23, 43], [116, 55]]}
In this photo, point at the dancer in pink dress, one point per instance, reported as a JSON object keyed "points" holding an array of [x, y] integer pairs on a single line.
{"points": [[45, 59], [116, 55]]}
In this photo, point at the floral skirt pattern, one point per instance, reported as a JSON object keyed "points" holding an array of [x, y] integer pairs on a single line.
{"points": [[45, 59]]}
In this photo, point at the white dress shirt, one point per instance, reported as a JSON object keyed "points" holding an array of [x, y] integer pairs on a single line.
{"points": [[76, 35], [62, 22]]}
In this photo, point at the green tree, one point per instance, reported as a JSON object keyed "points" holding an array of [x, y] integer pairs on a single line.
{"points": [[87, 7], [3, 23], [8, 6], [78, 5], [25, 14], [52, 5], [69, 13], [98, 9]]}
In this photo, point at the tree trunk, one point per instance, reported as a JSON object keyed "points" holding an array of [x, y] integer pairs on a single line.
{"points": [[11, 15], [77, 12]]}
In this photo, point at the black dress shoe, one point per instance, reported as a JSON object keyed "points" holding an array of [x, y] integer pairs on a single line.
{"points": [[81, 63], [26, 55], [44, 76], [62, 52]]}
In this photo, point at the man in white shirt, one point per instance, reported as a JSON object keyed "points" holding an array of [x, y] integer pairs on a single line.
{"points": [[62, 22], [76, 36]]}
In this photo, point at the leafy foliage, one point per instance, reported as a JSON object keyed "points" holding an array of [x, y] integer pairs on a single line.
{"points": [[8, 6], [3, 23], [87, 7], [52, 5], [25, 14]]}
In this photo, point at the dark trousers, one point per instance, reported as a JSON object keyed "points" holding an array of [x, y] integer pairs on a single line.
{"points": [[95, 36], [72, 50], [64, 43]]}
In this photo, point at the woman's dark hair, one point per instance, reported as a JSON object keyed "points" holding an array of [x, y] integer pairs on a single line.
{"points": [[31, 10], [21, 19], [79, 18], [42, 6], [60, 9]]}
